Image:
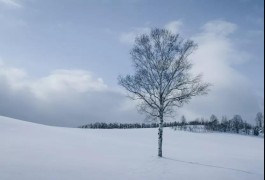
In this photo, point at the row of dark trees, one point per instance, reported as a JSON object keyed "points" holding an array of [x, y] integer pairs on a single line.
{"points": [[234, 125], [127, 125]]}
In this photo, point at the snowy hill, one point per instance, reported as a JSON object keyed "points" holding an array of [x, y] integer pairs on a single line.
{"points": [[31, 151]]}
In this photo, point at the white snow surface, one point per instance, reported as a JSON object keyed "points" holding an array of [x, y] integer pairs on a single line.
{"points": [[31, 151]]}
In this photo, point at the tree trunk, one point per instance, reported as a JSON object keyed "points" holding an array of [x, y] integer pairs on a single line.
{"points": [[160, 136]]}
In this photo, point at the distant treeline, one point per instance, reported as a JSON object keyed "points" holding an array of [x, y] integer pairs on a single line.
{"points": [[127, 125], [234, 125]]}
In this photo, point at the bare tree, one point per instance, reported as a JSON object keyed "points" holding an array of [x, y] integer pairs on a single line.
{"points": [[214, 122], [260, 121], [238, 123], [183, 120], [162, 78]]}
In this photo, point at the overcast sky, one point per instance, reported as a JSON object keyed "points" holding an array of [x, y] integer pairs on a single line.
{"points": [[59, 59]]}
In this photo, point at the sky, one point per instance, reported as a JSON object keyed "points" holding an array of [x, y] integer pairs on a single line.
{"points": [[59, 60]]}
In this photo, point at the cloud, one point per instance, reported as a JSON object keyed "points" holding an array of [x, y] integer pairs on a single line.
{"points": [[11, 3], [217, 57], [66, 81], [63, 98], [58, 81], [219, 28], [174, 26]]}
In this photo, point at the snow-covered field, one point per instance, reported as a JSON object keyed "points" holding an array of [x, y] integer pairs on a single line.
{"points": [[35, 152]]}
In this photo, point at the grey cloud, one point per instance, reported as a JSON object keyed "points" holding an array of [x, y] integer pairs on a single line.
{"points": [[70, 99]]}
